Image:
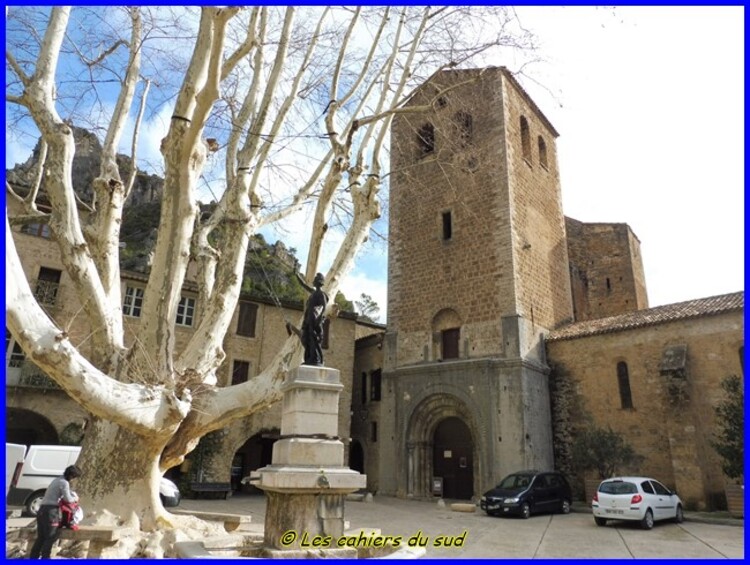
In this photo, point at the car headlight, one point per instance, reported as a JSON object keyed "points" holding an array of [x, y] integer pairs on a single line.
{"points": [[484, 499], [511, 500]]}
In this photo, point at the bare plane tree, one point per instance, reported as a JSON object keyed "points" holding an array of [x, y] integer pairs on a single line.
{"points": [[252, 75]]}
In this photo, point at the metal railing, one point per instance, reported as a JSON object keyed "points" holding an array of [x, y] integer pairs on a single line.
{"points": [[46, 292]]}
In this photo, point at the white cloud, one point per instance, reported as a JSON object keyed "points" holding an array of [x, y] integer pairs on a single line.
{"points": [[357, 283]]}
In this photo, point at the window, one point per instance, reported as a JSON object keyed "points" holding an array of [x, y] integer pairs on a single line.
{"points": [[185, 311], [525, 140], [240, 371], [40, 230], [363, 388], [447, 226], [623, 381], [450, 343], [47, 285], [660, 488], [246, 319], [647, 488], [14, 355], [742, 359], [542, 152], [426, 139], [375, 385], [465, 126], [133, 302], [373, 432]]}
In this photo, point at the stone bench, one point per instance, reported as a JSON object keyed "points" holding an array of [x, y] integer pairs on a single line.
{"points": [[99, 537], [463, 507], [221, 488], [231, 521]]}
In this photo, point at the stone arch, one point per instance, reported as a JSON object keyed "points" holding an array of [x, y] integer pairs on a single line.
{"points": [[420, 432], [29, 428], [356, 456], [252, 454]]}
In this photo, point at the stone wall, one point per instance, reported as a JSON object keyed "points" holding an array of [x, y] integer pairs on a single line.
{"points": [[606, 269], [367, 412], [671, 422]]}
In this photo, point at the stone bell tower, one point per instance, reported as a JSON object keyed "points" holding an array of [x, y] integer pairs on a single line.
{"points": [[477, 274]]}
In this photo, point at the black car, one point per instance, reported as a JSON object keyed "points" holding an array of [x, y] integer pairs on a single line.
{"points": [[528, 491]]}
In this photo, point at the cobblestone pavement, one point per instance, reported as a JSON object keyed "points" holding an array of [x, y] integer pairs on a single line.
{"points": [[541, 536]]}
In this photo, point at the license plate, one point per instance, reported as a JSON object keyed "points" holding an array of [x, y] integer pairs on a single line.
{"points": [[609, 511]]}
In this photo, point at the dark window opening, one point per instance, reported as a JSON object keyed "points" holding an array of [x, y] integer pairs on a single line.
{"points": [[525, 140], [450, 343], [447, 226], [375, 385], [623, 382], [542, 152], [326, 333], [373, 432], [47, 285], [426, 138], [609, 285], [240, 371], [246, 319], [363, 388], [39, 230], [742, 359]]}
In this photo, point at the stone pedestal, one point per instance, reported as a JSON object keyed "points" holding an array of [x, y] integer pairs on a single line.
{"points": [[307, 481]]}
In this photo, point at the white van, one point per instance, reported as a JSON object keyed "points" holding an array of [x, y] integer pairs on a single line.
{"points": [[28, 477], [14, 456]]}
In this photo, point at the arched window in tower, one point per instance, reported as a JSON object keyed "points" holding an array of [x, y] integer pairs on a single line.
{"points": [[623, 382], [426, 139], [464, 127], [542, 152], [742, 358], [525, 139], [446, 332]]}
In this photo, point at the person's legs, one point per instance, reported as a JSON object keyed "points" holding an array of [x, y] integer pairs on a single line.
{"points": [[47, 533], [42, 528]]}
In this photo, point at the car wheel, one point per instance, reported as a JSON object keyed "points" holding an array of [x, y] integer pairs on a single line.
{"points": [[648, 520], [600, 521], [525, 511], [679, 516], [565, 507], [33, 503]]}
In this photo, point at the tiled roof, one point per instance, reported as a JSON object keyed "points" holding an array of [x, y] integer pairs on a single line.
{"points": [[652, 316]]}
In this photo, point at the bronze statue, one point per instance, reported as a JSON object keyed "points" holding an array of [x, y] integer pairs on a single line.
{"points": [[311, 334]]}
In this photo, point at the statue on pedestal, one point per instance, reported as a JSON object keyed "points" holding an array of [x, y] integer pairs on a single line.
{"points": [[311, 333]]}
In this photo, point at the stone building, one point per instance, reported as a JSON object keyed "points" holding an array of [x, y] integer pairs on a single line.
{"points": [[489, 286], [655, 376], [492, 292]]}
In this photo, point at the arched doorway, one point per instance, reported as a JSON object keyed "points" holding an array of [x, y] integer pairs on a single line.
{"points": [[448, 420], [255, 453], [29, 428], [356, 457], [452, 458]]}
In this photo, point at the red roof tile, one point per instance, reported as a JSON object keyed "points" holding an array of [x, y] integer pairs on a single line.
{"points": [[652, 316]]}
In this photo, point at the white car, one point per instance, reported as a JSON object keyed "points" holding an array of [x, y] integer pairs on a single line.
{"points": [[638, 499]]}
